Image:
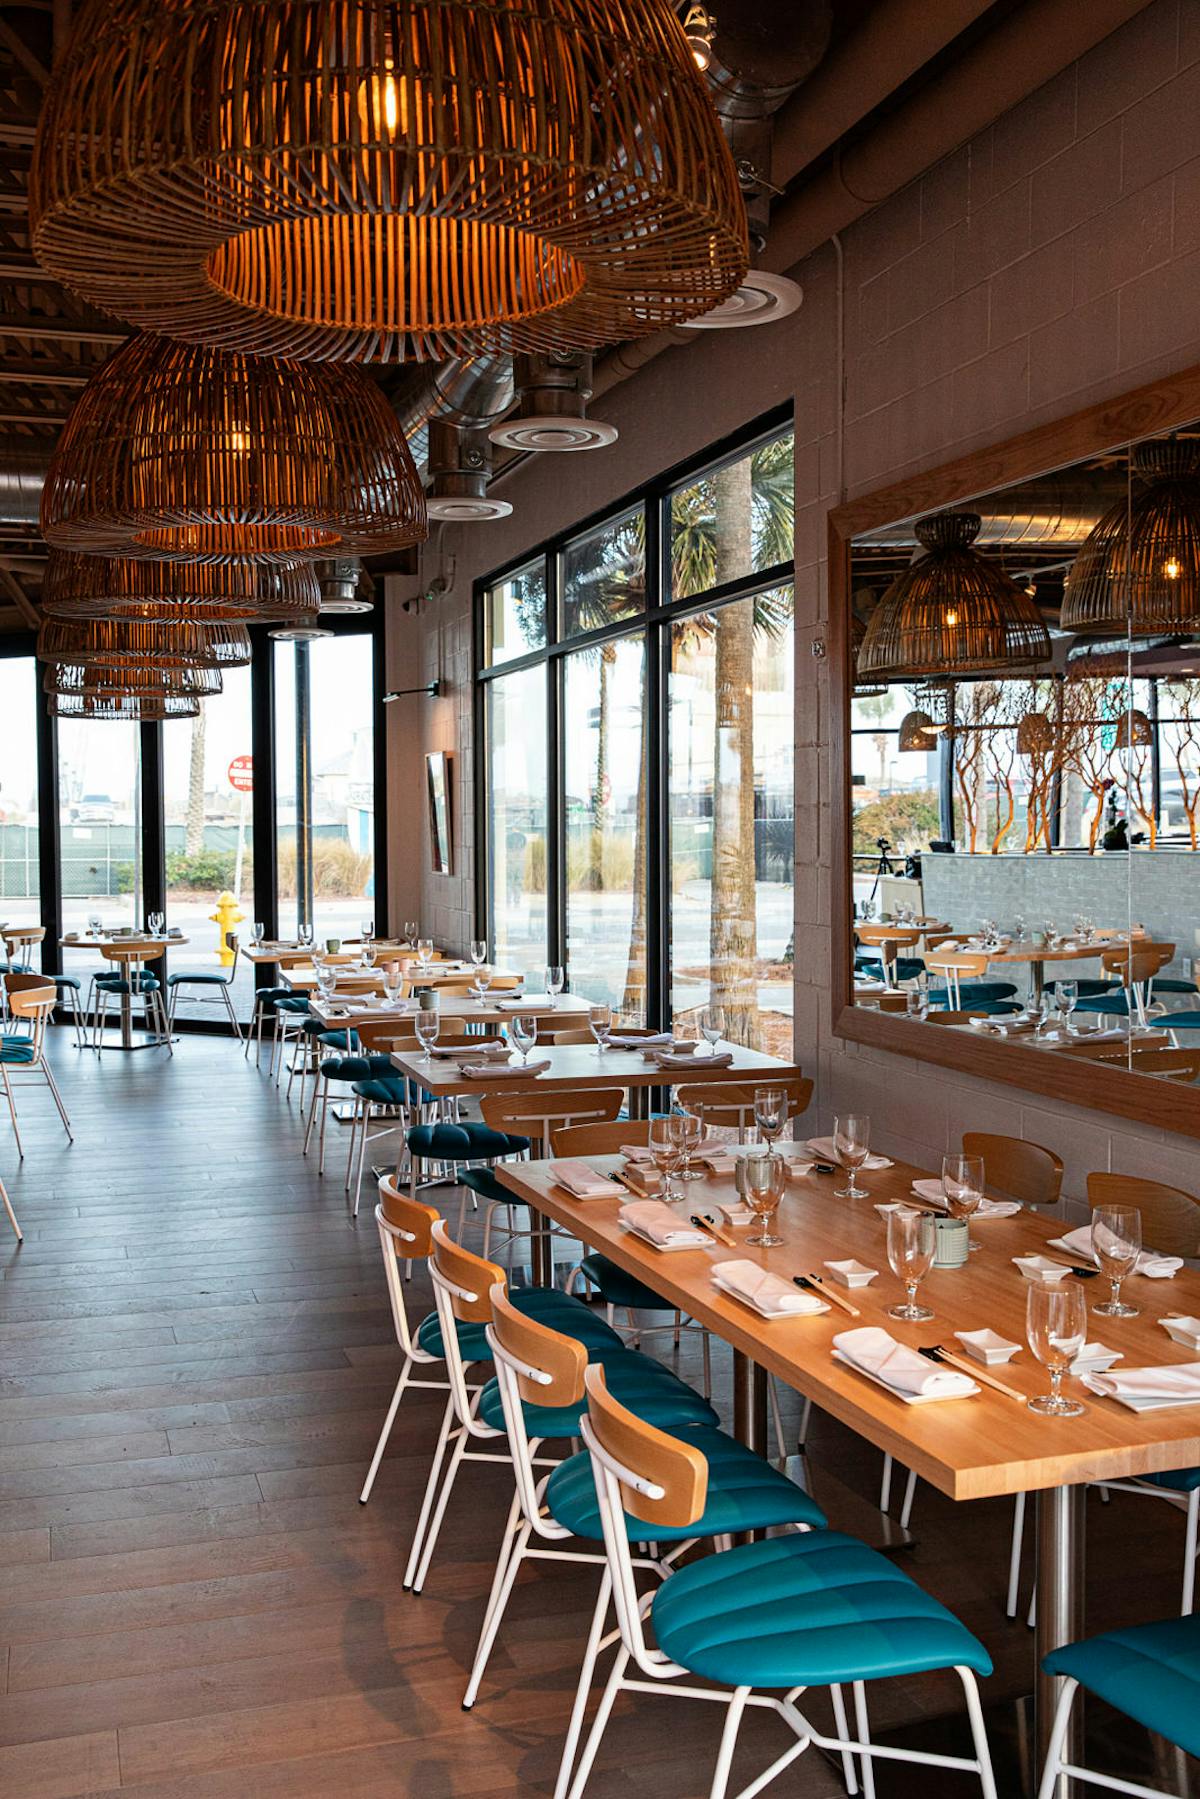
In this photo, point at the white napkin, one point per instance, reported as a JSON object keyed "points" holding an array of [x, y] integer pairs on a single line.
{"points": [[876, 1352], [765, 1291], [718, 1161], [582, 1180], [493, 1071], [652, 1219], [664, 1058], [822, 1148], [931, 1192], [621, 1040], [1078, 1243], [512, 1005], [636, 1153], [495, 1048], [1149, 1388]]}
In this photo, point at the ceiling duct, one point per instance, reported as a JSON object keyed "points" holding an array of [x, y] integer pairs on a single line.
{"points": [[22, 477], [467, 391], [552, 412], [338, 580], [460, 467], [1059, 515]]}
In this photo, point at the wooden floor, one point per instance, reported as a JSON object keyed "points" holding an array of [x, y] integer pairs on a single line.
{"points": [[195, 1354]]}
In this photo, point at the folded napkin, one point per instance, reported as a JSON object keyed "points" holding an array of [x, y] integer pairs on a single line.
{"points": [[491, 1070], [878, 1353], [665, 1059], [494, 1047], [653, 1219], [718, 1161], [512, 1005], [621, 1040], [766, 1292], [1078, 1243], [636, 1152], [931, 1192], [822, 1148], [1178, 1383], [582, 1180]]}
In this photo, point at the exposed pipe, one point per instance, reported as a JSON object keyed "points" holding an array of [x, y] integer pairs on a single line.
{"points": [[1065, 514], [22, 477]]}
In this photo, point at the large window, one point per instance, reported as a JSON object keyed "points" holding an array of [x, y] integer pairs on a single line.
{"points": [[101, 863], [645, 838], [20, 698]]}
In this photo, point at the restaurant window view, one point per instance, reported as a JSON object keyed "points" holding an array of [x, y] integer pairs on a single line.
{"points": [[599, 932]]}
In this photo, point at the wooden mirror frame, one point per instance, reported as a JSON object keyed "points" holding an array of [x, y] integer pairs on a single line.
{"points": [[1160, 406]]}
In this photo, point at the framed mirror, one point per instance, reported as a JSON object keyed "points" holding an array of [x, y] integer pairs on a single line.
{"points": [[1016, 641]]}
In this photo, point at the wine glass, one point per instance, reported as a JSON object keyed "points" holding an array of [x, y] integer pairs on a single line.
{"points": [[1056, 1329], [1068, 997], [257, 931], [326, 973], [711, 1020], [393, 980], [688, 1129], [770, 1112], [368, 955], [911, 1241], [425, 953], [523, 1031], [304, 935], [600, 1024], [962, 1185], [766, 1177], [366, 930], [1019, 927], [483, 980], [916, 1006], [411, 927], [156, 922], [665, 1152], [428, 1024], [1116, 1245], [555, 978], [852, 1146], [94, 923]]}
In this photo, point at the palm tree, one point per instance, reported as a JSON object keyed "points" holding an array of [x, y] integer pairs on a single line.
{"points": [[193, 842]]}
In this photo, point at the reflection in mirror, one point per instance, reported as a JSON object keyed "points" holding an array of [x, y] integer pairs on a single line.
{"points": [[1025, 763]]}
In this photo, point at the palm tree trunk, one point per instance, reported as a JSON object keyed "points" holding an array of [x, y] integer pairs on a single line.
{"points": [[733, 944], [600, 791], [194, 831], [633, 1005]]}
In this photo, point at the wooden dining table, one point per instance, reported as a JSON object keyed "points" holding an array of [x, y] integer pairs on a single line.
{"points": [[970, 1448], [156, 946], [346, 1011]]}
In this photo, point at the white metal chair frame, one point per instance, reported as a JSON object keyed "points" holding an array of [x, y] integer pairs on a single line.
{"points": [[662, 1674], [130, 966], [1057, 1767], [12, 1216], [225, 997], [27, 1005]]}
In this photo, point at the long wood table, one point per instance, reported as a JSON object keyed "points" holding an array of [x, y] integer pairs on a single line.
{"points": [[969, 1449], [348, 1010]]}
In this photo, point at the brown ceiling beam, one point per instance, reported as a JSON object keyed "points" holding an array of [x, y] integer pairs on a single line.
{"points": [[25, 269], [19, 597], [43, 374], [63, 330], [18, 135], [52, 420], [14, 202], [31, 63]]}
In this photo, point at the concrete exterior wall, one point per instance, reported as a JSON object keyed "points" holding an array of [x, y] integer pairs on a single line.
{"points": [[1051, 262]]}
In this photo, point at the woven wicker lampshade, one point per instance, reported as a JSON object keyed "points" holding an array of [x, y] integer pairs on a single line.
{"points": [[918, 732], [1134, 730], [121, 644], [952, 611], [78, 586], [194, 455], [1035, 734], [376, 180], [1139, 567], [152, 683], [123, 707]]}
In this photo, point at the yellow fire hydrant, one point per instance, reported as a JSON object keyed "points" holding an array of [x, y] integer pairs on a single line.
{"points": [[227, 914]]}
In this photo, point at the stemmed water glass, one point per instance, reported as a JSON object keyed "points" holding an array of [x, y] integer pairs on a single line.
{"points": [[425, 953], [962, 1186], [411, 927], [1056, 1329], [94, 923], [257, 931], [156, 921], [600, 1024], [304, 935], [711, 1021], [770, 1113], [523, 1031], [852, 1145], [911, 1242], [483, 980], [916, 1004], [764, 1182], [1116, 1245], [555, 977], [326, 974], [393, 980], [1068, 998], [1019, 927], [428, 1024], [688, 1130], [366, 930], [479, 952], [665, 1152]]}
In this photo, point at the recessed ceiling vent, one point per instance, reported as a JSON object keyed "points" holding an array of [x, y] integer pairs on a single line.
{"points": [[551, 415], [760, 300], [460, 464], [338, 580]]}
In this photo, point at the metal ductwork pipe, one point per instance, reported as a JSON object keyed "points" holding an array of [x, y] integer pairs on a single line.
{"points": [[1064, 516], [468, 391], [551, 415], [338, 579], [22, 477], [460, 467]]}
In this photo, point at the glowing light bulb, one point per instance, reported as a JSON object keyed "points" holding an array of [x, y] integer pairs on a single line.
{"points": [[699, 27], [1172, 568], [952, 619], [391, 104]]}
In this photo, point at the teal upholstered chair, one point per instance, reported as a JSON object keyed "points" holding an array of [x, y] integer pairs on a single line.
{"points": [[215, 989], [794, 1612], [1150, 1672]]}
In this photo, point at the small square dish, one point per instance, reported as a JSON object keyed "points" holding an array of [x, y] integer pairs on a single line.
{"points": [[852, 1273], [1094, 1358], [1041, 1268], [988, 1347], [1182, 1330]]}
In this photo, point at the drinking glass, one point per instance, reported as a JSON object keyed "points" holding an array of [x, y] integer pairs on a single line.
{"points": [[1116, 1245], [555, 977], [688, 1130], [1068, 997], [368, 955], [665, 1151], [366, 929], [425, 953], [258, 930], [911, 1241], [600, 1024], [393, 980], [428, 1023], [156, 921], [711, 1020], [304, 935], [411, 927], [916, 1005], [766, 1177], [523, 1031], [94, 922], [1051, 935], [1019, 927], [1056, 1329], [479, 952], [962, 1185], [483, 980], [852, 1145], [771, 1112]]}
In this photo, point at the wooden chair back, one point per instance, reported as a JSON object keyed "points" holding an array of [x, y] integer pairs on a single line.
{"points": [[563, 1034], [899, 935], [410, 1216], [951, 1017], [538, 1115], [537, 1346], [1015, 1168], [935, 938], [129, 955], [1175, 1064], [672, 1464], [26, 934], [600, 1139], [961, 962], [377, 1035], [1170, 1217], [1133, 965], [30, 995], [730, 1107], [468, 1274]]}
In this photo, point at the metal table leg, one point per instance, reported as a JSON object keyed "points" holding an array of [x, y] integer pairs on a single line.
{"points": [[749, 1402], [127, 1019], [541, 1267], [1060, 1605]]}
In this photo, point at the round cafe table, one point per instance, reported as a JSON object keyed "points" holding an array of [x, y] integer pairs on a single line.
{"points": [[88, 941]]}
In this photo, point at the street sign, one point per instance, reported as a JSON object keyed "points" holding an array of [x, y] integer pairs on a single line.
{"points": [[241, 774]]}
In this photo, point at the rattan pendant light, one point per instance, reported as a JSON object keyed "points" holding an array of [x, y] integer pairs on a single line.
{"points": [[77, 586], [1139, 567], [917, 732], [384, 179], [146, 693], [951, 612], [121, 644], [121, 707], [196, 455]]}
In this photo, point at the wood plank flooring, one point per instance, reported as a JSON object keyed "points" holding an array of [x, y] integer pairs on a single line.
{"points": [[195, 1355]]}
